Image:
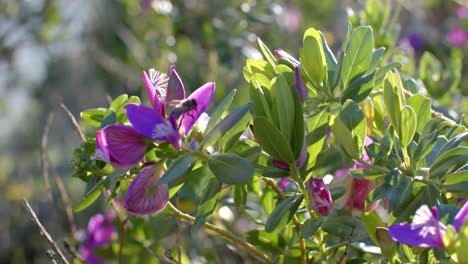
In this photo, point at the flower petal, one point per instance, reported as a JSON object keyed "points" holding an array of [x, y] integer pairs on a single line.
{"points": [[145, 196], [203, 96], [175, 87], [120, 145], [418, 237], [300, 86], [319, 196], [154, 92], [152, 124], [461, 217]]}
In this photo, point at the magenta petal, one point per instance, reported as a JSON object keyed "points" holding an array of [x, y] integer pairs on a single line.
{"points": [[300, 86], [319, 196], [461, 217], [145, 196], [175, 87], [418, 237], [152, 124], [153, 94], [203, 96], [121, 146]]}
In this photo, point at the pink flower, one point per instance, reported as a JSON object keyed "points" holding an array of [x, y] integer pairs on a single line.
{"points": [[145, 196], [357, 190], [100, 233], [457, 37], [119, 145], [320, 197]]}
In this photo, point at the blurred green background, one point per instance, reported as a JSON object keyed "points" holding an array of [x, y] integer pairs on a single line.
{"points": [[81, 53]]}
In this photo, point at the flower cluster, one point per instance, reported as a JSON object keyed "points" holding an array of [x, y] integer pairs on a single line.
{"points": [[99, 233], [170, 118]]}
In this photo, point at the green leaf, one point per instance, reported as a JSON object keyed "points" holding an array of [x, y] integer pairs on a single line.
{"points": [[377, 56], [444, 162], [457, 182], [358, 54], [318, 127], [270, 242], [422, 106], [454, 142], [260, 96], [409, 119], [359, 88], [239, 194], [267, 53], [462, 243], [337, 191], [345, 227], [393, 98], [313, 57], [350, 128], [224, 126], [284, 103], [395, 188], [331, 63], [341, 55], [90, 196], [110, 119], [211, 187], [257, 67], [230, 168], [272, 141], [283, 213], [219, 111], [118, 101], [178, 168], [298, 131], [204, 211], [94, 116], [310, 226], [382, 72], [372, 221]]}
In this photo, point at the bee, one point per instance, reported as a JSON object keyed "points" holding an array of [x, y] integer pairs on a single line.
{"points": [[185, 106]]}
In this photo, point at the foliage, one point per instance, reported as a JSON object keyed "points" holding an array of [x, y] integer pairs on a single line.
{"points": [[358, 111]]}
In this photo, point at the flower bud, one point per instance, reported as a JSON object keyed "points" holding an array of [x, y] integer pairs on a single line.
{"points": [[319, 196]]}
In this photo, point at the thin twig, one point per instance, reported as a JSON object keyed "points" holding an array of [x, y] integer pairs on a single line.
{"points": [[178, 239], [297, 224], [72, 251], [223, 233], [74, 122], [123, 231], [66, 201], [44, 232], [44, 160]]}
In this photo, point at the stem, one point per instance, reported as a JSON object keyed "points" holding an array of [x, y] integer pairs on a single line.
{"points": [[178, 240], [297, 179], [44, 232], [223, 233], [297, 224], [376, 168]]}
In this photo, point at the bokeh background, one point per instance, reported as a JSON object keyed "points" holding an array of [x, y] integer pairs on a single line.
{"points": [[82, 53]]}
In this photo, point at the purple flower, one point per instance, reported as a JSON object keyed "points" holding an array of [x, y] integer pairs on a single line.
{"points": [[462, 12], [145, 196], [172, 115], [119, 145], [426, 230], [281, 54], [319, 196], [100, 232], [413, 40], [457, 37], [357, 190], [299, 162], [284, 182]]}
